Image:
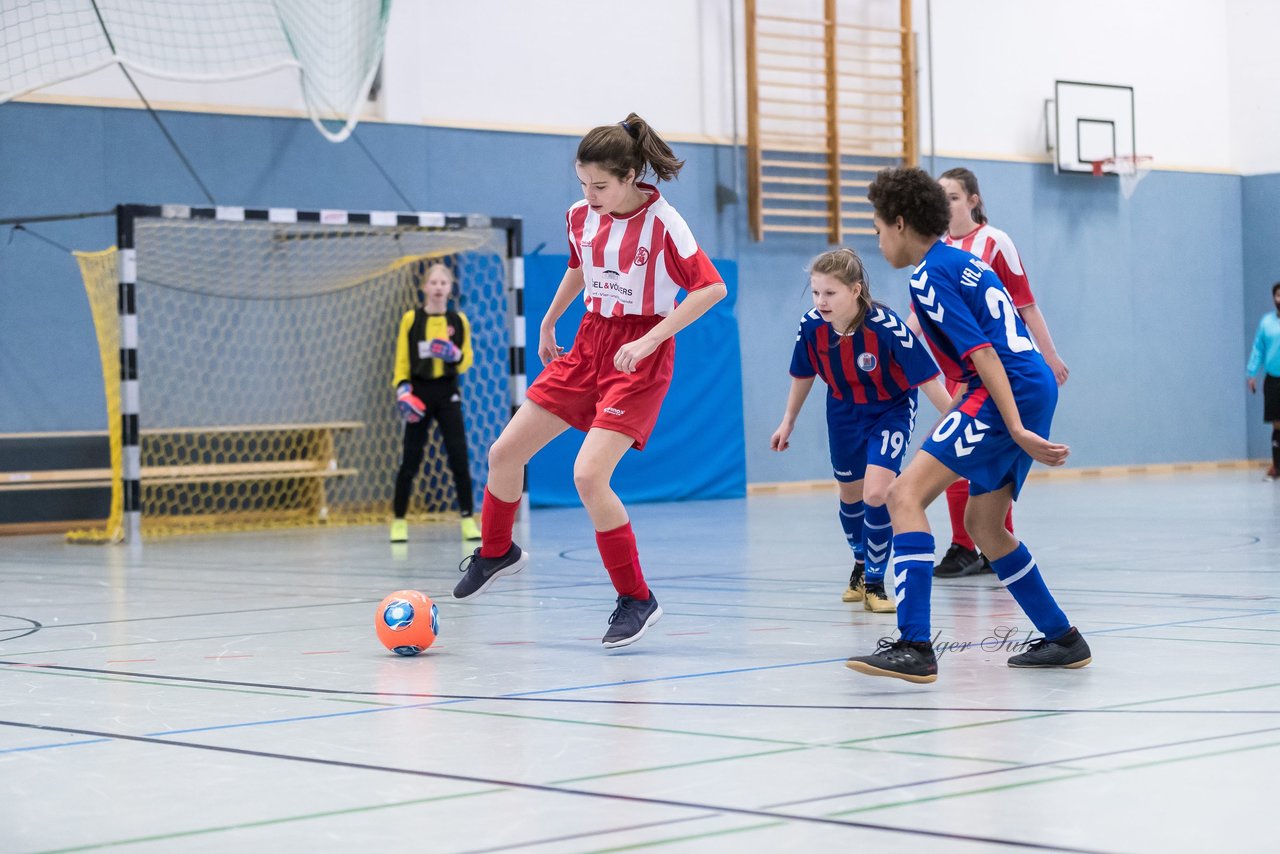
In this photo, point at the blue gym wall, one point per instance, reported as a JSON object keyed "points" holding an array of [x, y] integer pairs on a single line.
{"points": [[1151, 301], [1261, 271]]}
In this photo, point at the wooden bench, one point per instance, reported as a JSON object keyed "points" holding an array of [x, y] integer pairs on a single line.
{"points": [[200, 455]]}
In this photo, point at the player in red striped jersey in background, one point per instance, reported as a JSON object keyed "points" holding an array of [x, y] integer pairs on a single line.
{"points": [[630, 256], [969, 230]]}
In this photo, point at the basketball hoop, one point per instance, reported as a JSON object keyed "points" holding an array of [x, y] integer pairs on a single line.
{"points": [[1131, 168]]}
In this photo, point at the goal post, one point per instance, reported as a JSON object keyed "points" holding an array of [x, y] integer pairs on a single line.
{"points": [[248, 360]]}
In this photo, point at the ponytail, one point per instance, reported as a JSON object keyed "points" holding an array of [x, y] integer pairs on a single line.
{"points": [[630, 144]]}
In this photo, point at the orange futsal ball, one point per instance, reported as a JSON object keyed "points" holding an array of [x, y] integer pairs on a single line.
{"points": [[407, 622]]}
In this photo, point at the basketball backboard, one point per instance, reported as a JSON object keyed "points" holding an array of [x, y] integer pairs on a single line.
{"points": [[1091, 122]]}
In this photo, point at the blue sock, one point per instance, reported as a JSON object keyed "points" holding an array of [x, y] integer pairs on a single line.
{"points": [[851, 521], [1018, 572], [913, 581], [877, 537]]}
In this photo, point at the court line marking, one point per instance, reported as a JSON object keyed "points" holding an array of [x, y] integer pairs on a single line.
{"points": [[1061, 777], [526, 696], [1025, 766], [160, 837], [534, 696], [671, 839], [850, 744], [1062, 763], [522, 844], [1206, 754], [1183, 622], [508, 609], [208, 614], [1202, 640], [550, 789], [487, 612], [587, 834], [791, 745]]}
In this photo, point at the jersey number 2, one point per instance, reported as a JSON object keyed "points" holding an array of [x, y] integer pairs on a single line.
{"points": [[1001, 308]]}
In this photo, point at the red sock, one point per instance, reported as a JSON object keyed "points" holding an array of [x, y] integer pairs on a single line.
{"points": [[957, 500], [497, 518], [1008, 519], [622, 560]]}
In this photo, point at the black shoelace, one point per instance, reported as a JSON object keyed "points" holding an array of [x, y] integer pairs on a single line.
{"points": [[623, 603], [468, 560], [886, 645]]}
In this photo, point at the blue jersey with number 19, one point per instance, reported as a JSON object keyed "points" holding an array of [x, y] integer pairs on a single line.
{"points": [[875, 367], [962, 307]]}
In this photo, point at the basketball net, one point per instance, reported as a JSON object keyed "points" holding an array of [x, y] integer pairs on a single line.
{"points": [[1130, 168]]}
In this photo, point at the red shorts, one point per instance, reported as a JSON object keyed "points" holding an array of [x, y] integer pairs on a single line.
{"points": [[586, 390]]}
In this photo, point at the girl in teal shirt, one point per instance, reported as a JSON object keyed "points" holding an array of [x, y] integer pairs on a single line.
{"points": [[1266, 355]]}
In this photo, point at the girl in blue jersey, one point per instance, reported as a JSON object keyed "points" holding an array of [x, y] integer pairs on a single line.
{"points": [[990, 438], [872, 365]]}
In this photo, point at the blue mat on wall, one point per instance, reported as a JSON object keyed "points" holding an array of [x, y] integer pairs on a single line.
{"points": [[697, 450]]}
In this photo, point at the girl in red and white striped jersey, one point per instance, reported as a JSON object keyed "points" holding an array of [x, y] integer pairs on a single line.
{"points": [[969, 230], [630, 256]]}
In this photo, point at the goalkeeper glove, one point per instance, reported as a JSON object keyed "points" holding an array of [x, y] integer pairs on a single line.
{"points": [[444, 350], [411, 406]]}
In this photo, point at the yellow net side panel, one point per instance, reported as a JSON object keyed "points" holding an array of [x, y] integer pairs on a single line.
{"points": [[101, 284]]}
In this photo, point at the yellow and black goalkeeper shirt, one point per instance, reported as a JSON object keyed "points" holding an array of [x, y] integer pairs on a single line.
{"points": [[417, 328]]}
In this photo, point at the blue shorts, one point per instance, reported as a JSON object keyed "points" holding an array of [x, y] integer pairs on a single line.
{"points": [[973, 442], [859, 438]]}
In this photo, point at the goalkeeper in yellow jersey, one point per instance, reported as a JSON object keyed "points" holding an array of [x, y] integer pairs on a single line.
{"points": [[433, 349]]}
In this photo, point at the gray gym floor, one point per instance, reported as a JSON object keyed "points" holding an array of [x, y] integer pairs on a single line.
{"points": [[228, 693]]}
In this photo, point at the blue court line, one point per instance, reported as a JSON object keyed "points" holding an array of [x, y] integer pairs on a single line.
{"points": [[300, 718], [497, 697], [1183, 622], [671, 678], [62, 744], [396, 708], [559, 790], [291, 720], [228, 726]]}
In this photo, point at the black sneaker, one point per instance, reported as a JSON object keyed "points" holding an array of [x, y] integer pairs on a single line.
{"points": [[958, 562], [630, 620], [481, 572], [855, 589], [1068, 651], [901, 659]]}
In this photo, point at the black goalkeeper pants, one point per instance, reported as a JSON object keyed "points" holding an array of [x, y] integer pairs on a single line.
{"points": [[444, 407]]}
